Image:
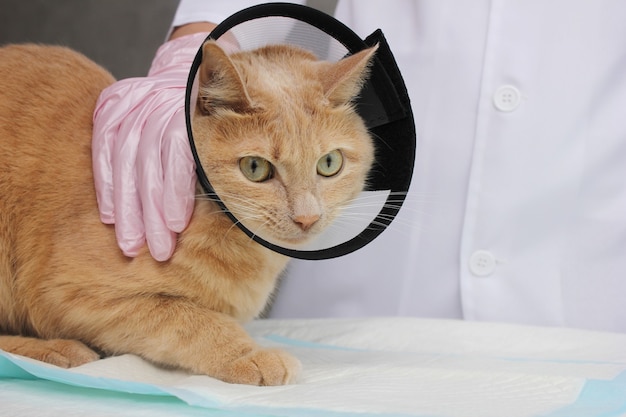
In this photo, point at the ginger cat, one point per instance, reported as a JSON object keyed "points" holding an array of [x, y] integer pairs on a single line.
{"points": [[287, 150]]}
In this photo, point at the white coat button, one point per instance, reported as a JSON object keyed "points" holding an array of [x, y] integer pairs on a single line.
{"points": [[482, 263], [507, 98]]}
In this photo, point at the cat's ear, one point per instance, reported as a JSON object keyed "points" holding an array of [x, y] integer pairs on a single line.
{"points": [[342, 81], [220, 83]]}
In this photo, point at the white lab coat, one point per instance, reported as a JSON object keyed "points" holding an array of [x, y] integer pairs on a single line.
{"points": [[517, 208]]}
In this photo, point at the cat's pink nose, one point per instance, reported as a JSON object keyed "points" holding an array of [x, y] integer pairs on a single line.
{"points": [[306, 221]]}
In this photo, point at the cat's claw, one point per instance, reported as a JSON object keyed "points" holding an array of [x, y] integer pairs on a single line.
{"points": [[262, 367]]}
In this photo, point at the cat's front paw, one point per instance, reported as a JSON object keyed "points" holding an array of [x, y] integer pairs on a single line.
{"points": [[59, 352], [262, 367]]}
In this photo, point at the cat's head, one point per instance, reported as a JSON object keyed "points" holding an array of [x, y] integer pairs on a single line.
{"points": [[279, 138]]}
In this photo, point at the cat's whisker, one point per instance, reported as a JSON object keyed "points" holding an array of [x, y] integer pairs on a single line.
{"points": [[247, 215], [380, 139], [244, 211], [242, 204], [255, 233], [406, 229], [408, 201], [419, 219], [235, 225], [418, 205], [389, 220]]}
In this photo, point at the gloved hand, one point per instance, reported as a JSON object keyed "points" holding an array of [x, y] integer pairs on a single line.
{"points": [[143, 167]]}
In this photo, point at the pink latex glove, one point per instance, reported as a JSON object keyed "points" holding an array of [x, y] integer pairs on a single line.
{"points": [[143, 167]]}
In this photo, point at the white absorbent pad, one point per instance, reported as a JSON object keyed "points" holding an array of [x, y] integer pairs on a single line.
{"points": [[361, 367]]}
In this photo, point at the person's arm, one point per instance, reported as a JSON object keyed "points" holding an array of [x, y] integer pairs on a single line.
{"points": [[191, 28], [143, 168], [142, 163]]}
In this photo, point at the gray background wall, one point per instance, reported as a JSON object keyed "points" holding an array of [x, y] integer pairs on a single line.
{"points": [[121, 35]]}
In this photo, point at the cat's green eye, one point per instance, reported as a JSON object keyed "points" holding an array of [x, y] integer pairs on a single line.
{"points": [[255, 168], [330, 164]]}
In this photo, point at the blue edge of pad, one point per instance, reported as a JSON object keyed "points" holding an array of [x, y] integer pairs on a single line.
{"points": [[597, 398]]}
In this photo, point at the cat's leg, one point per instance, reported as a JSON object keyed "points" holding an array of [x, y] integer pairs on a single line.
{"points": [[217, 345], [60, 352], [201, 341]]}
